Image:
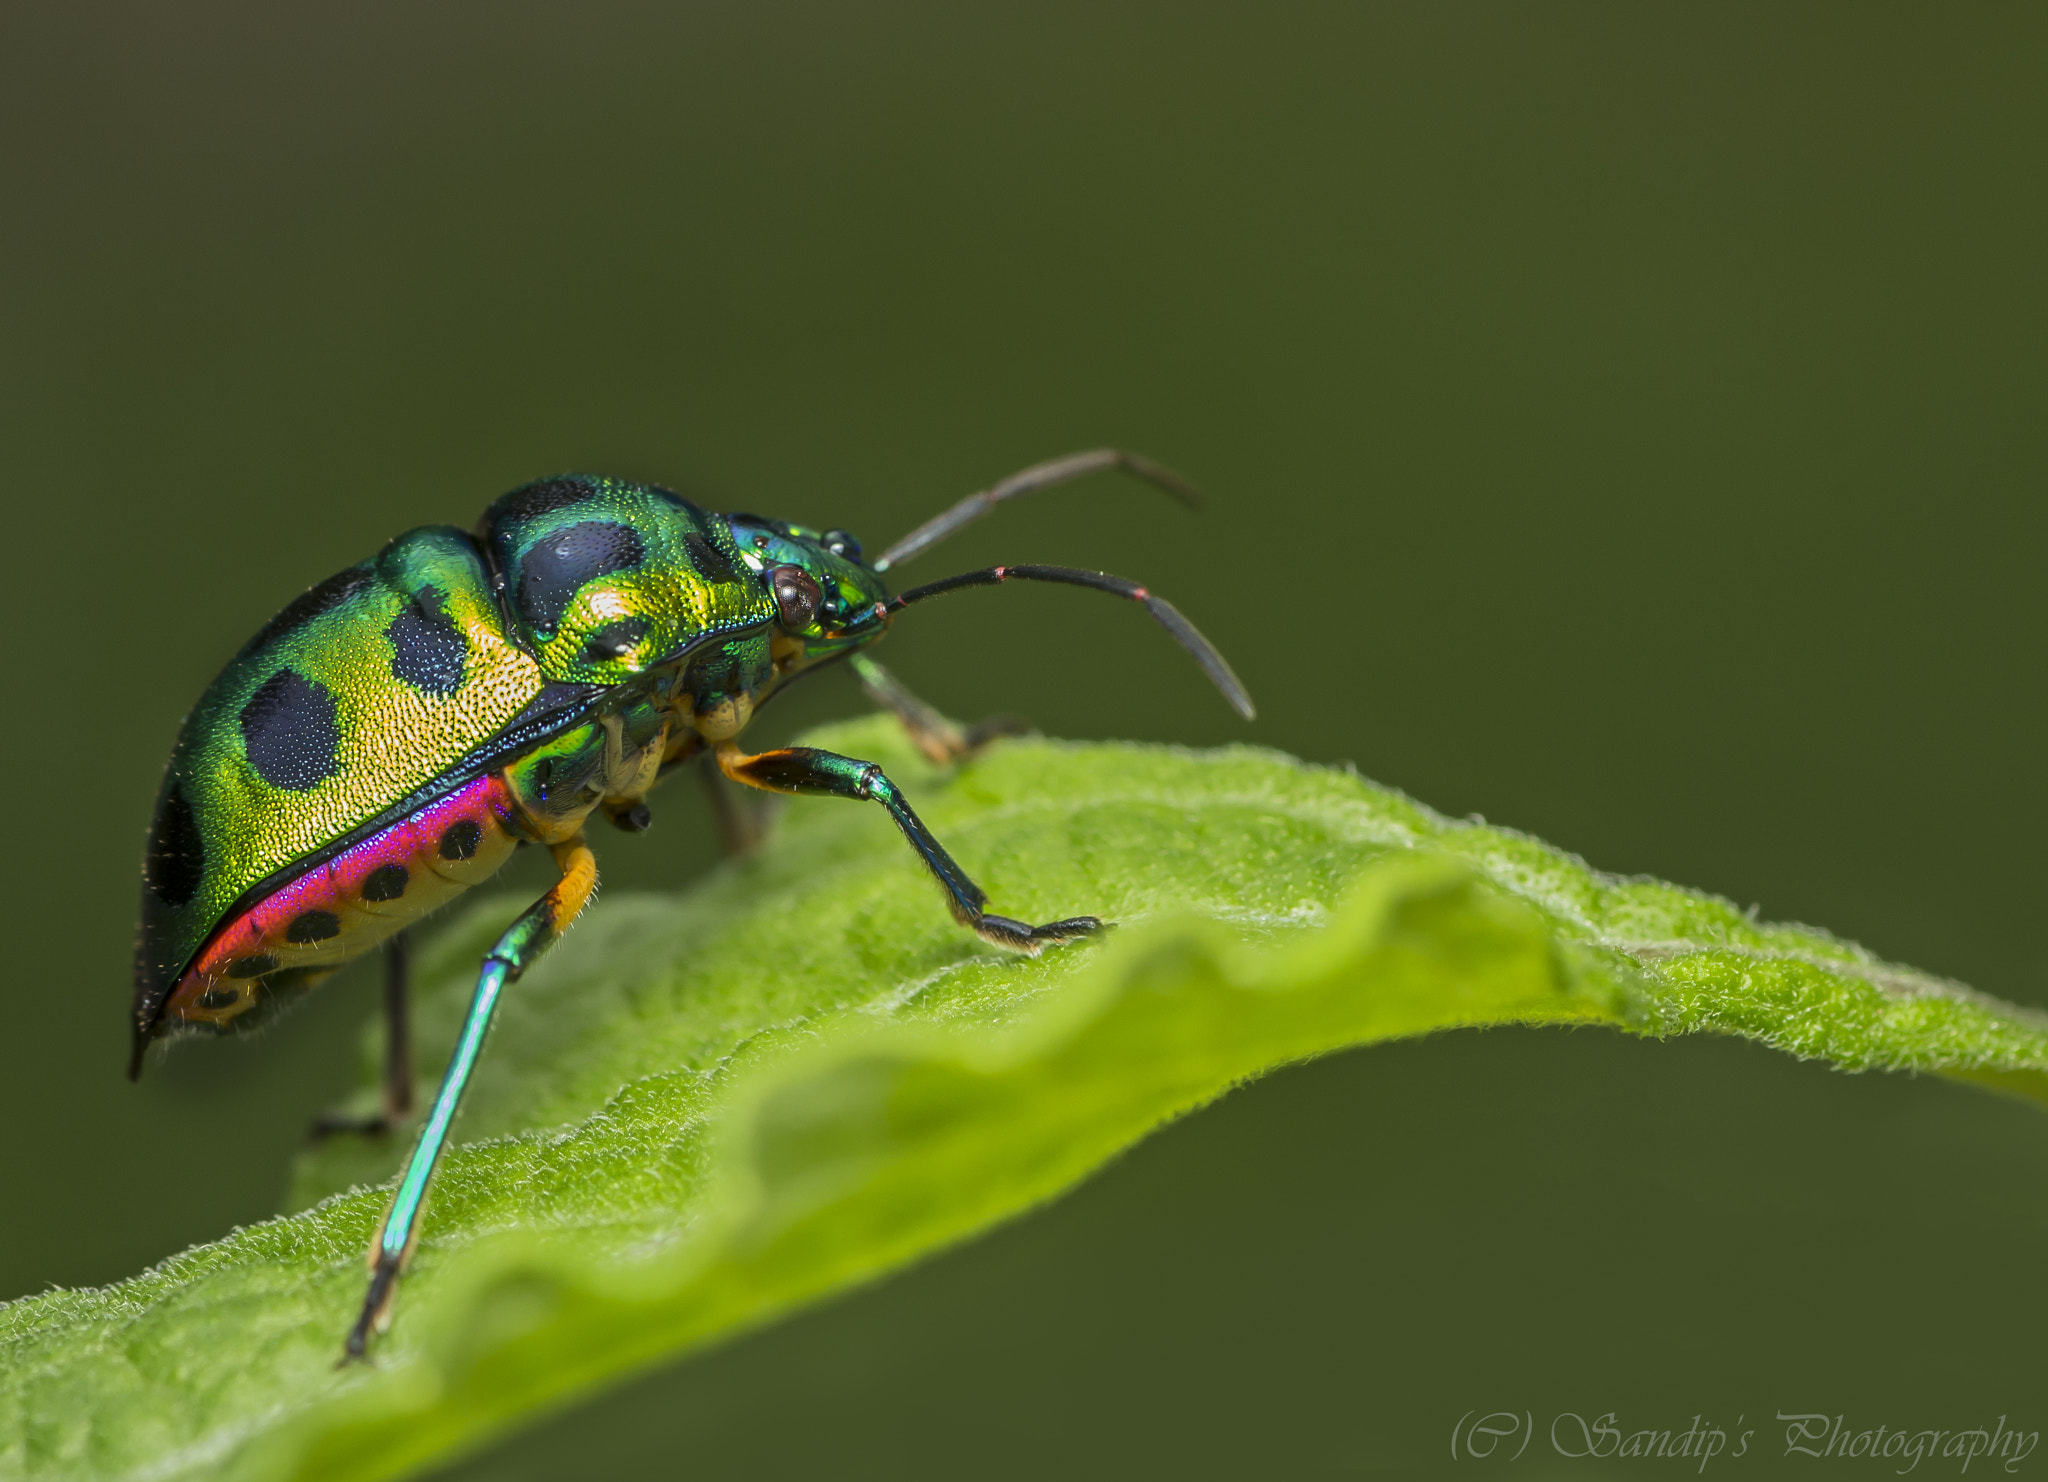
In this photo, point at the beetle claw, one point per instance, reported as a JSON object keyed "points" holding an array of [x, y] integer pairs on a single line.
{"points": [[1021, 936]]}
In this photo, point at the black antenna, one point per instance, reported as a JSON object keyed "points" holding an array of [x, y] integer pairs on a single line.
{"points": [[1038, 476], [1168, 616]]}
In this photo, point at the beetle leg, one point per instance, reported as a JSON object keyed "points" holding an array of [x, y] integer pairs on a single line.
{"points": [[943, 742], [523, 942], [397, 1051], [736, 817], [802, 769]]}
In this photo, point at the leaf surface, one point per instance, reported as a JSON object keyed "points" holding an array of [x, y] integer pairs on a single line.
{"points": [[707, 1108]]}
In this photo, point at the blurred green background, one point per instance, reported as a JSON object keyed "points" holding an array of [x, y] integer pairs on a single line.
{"points": [[1624, 422]]}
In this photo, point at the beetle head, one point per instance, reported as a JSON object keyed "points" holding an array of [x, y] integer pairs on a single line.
{"points": [[827, 599]]}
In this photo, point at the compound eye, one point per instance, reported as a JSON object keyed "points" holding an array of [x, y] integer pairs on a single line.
{"points": [[797, 598], [842, 543]]}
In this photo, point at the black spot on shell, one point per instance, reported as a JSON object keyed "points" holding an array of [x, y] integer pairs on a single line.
{"points": [[219, 998], [710, 561], [461, 839], [555, 570], [426, 650], [386, 882], [290, 732], [176, 862], [313, 926], [617, 639], [313, 603], [542, 497], [252, 967]]}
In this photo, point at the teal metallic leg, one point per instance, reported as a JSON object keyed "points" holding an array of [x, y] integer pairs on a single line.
{"points": [[529, 936], [803, 769], [937, 737]]}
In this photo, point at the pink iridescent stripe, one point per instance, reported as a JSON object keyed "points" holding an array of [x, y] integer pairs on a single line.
{"points": [[486, 800]]}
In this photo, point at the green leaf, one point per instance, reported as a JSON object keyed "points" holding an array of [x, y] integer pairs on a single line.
{"points": [[705, 1109]]}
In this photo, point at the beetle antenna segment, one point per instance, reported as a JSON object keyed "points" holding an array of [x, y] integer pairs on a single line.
{"points": [[1167, 615], [1038, 476]]}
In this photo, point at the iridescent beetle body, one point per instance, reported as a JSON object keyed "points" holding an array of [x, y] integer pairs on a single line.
{"points": [[391, 737], [386, 688]]}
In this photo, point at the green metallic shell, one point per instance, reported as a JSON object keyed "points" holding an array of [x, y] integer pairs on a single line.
{"points": [[401, 677], [363, 691], [606, 578]]}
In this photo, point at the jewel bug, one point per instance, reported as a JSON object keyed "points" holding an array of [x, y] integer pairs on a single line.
{"points": [[394, 734]]}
